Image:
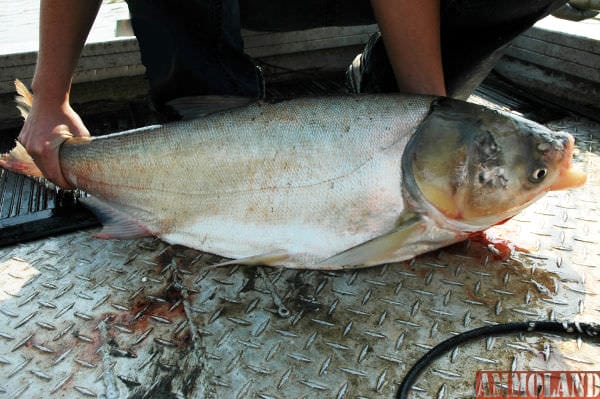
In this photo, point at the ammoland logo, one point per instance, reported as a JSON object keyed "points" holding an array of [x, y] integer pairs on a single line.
{"points": [[537, 384]]}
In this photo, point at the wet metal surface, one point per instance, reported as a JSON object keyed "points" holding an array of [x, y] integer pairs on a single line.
{"points": [[81, 317]]}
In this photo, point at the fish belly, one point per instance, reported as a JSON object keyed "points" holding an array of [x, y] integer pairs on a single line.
{"points": [[310, 223], [309, 177]]}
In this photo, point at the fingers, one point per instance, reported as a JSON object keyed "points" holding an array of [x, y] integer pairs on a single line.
{"points": [[45, 129], [52, 171], [44, 150]]}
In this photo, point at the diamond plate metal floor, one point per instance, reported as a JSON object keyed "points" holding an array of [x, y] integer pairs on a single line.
{"points": [[81, 317]]}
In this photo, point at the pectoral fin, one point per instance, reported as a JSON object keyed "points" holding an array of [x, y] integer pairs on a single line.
{"points": [[382, 249]]}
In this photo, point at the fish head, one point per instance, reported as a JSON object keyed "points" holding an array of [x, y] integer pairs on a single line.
{"points": [[480, 166]]}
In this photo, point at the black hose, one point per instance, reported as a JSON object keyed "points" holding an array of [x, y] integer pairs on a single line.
{"points": [[562, 328]]}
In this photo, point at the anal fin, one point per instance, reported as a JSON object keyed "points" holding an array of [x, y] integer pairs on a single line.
{"points": [[116, 222], [268, 259]]}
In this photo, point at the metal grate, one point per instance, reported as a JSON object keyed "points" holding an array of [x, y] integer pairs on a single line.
{"points": [[21, 196]]}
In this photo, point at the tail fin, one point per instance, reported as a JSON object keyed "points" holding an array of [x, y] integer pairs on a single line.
{"points": [[24, 98], [18, 160]]}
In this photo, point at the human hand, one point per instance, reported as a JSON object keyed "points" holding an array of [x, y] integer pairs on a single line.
{"points": [[46, 127]]}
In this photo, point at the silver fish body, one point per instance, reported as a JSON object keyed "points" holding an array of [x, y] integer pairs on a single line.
{"points": [[327, 183], [310, 177]]}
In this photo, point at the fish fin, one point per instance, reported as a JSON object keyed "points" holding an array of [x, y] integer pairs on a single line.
{"points": [[116, 222], [200, 106], [19, 161], [24, 98], [380, 249], [268, 259]]}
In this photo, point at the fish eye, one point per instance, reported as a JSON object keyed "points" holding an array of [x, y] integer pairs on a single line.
{"points": [[538, 175]]}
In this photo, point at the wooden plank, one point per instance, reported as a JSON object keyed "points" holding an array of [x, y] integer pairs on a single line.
{"points": [[121, 57], [583, 35], [551, 63], [93, 75], [572, 48], [564, 39], [557, 51], [313, 45], [114, 46], [25, 73], [576, 94], [253, 39], [17, 59]]}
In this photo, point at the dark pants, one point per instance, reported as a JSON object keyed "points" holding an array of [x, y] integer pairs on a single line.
{"points": [[194, 47]]}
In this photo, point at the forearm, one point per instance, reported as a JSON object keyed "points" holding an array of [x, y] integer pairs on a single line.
{"points": [[411, 34], [64, 26]]}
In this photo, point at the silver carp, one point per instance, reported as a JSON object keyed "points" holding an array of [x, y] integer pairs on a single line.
{"points": [[322, 183]]}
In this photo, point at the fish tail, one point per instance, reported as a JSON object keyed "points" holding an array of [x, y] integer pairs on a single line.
{"points": [[24, 98], [18, 159]]}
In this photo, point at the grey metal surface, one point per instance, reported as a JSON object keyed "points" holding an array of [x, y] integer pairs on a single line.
{"points": [[21, 196], [81, 317]]}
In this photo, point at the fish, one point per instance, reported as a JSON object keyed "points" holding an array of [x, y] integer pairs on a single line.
{"points": [[315, 183]]}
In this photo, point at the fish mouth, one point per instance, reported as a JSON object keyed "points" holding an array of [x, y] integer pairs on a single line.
{"points": [[569, 176]]}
